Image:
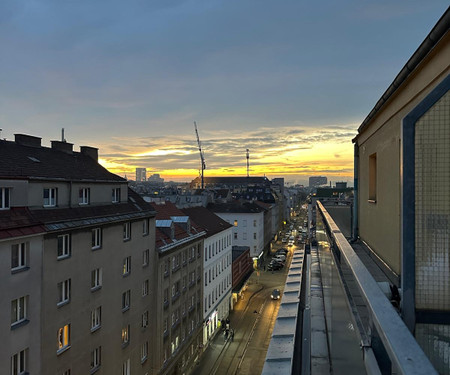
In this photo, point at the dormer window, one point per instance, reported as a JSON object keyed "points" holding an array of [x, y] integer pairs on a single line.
{"points": [[84, 196], [50, 197], [4, 198], [116, 195]]}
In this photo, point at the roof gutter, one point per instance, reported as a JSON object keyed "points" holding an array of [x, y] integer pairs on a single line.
{"points": [[438, 31]]}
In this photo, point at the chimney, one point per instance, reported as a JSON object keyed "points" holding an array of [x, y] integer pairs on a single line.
{"points": [[92, 152], [62, 146], [27, 140]]}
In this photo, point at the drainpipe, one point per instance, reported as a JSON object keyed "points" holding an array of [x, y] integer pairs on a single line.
{"points": [[355, 233]]}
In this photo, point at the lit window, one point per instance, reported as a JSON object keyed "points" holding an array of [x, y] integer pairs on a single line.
{"points": [[144, 352], [19, 363], [19, 310], [63, 292], [19, 256], [126, 299], [50, 197], [126, 231], [96, 359], [126, 335], [145, 258], [235, 223], [84, 196], [373, 177], [96, 318], [63, 338], [64, 246], [116, 195], [126, 266], [96, 279], [4, 198], [96, 238]]}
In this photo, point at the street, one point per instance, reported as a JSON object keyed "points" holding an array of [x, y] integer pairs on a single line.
{"points": [[252, 320]]}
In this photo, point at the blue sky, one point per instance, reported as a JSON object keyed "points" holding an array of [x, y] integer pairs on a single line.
{"points": [[132, 77]]}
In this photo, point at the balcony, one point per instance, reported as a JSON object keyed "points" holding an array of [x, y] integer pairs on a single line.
{"points": [[334, 316]]}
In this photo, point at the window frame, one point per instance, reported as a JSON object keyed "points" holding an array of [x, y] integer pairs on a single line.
{"points": [[146, 227], [126, 270], [115, 196], [145, 257], [126, 300], [64, 291], [96, 319], [96, 359], [84, 196], [5, 198], [52, 199], [144, 352], [97, 238], [125, 335], [372, 188], [65, 247], [96, 279], [19, 362], [63, 338], [127, 231], [21, 311], [145, 288], [144, 319], [22, 249]]}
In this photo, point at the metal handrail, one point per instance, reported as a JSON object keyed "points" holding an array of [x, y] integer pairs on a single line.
{"points": [[401, 346]]}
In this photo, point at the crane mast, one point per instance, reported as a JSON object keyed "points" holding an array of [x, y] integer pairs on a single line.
{"points": [[202, 157]]}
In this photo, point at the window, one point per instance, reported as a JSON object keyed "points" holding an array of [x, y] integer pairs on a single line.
{"points": [[144, 352], [4, 198], [63, 338], [126, 299], [63, 292], [235, 235], [145, 288], [19, 256], [19, 363], [116, 195], [145, 258], [126, 335], [145, 227], [19, 310], [126, 231], [254, 235], [96, 238], [235, 223], [244, 236], [126, 266], [50, 197], [145, 319], [126, 368], [64, 248], [83, 196], [373, 177], [96, 359], [254, 223], [244, 223], [96, 279], [96, 318]]}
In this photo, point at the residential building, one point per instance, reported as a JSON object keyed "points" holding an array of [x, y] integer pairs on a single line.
{"points": [[80, 245], [248, 225], [241, 269], [179, 291], [402, 165], [217, 274]]}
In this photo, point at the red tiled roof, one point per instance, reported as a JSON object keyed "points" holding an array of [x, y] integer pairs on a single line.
{"points": [[207, 220]]}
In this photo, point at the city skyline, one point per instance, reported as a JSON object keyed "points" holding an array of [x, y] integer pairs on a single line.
{"points": [[290, 82]]}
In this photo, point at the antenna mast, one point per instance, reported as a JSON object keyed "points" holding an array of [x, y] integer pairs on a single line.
{"points": [[248, 167], [202, 158]]}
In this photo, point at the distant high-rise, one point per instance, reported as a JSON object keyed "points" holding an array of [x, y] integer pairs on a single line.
{"points": [[141, 174], [315, 181]]}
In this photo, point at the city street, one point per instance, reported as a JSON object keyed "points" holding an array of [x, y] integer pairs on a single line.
{"points": [[252, 320]]}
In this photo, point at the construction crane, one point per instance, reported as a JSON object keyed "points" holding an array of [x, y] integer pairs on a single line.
{"points": [[202, 157]]}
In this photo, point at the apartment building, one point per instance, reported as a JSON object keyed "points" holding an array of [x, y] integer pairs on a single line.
{"points": [[216, 269], [402, 180], [248, 225], [76, 247], [179, 292]]}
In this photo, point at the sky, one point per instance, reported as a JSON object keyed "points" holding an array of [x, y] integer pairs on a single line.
{"points": [[290, 80]]}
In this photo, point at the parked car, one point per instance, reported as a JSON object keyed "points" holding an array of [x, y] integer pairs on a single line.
{"points": [[280, 256], [274, 266]]}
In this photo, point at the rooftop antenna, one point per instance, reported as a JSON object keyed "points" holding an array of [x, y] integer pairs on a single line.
{"points": [[62, 135], [248, 167], [202, 157]]}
